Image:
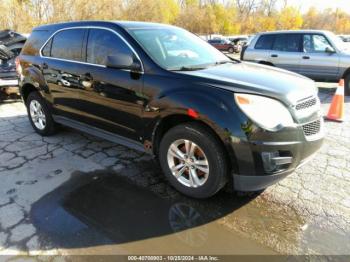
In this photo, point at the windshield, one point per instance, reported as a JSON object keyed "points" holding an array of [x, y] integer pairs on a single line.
{"points": [[341, 45], [177, 49]]}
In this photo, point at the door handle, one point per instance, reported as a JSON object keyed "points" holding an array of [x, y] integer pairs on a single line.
{"points": [[274, 55], [306, 57], [44, 66]]}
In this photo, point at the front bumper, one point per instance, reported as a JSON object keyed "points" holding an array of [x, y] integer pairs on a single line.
{"points": [[8, 82], [8, 78], [256, 183], [290, 148]]}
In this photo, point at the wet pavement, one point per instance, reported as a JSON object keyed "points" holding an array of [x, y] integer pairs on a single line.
{"points": [[76, 194], [135, 219]]}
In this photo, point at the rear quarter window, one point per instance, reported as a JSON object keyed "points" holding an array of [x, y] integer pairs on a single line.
{"points": [[46, 51], [265, 42], [35, 42]]}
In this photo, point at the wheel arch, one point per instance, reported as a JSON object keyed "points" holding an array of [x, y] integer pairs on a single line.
{"points": [[346, 73], [172, 120], [26, 89]]}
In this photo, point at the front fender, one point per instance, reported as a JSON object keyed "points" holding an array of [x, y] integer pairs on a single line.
{"points": [[215, 107]]}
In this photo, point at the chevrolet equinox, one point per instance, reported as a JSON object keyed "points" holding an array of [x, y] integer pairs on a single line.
{"points": [[210, 120]]}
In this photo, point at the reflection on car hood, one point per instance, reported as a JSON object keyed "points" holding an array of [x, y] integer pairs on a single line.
{"points": [[346, 51], [246, 77]]}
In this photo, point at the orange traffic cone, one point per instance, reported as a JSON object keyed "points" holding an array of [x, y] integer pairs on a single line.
{"points": [[336, 111]]}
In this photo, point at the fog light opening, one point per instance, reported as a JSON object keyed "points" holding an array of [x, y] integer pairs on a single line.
{"points": [[276, 161]]}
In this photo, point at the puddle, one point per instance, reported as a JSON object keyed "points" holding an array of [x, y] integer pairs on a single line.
{"points": [[104, 212], [107, 213]]}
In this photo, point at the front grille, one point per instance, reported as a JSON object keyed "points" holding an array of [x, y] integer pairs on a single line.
{"points": [[312, 128], [306, 104]]}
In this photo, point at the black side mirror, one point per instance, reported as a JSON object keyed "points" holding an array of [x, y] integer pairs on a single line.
{"points": [[330, 50], [123, 61]]}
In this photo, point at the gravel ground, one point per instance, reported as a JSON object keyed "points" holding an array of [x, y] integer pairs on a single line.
{"points": [[306, 213]]}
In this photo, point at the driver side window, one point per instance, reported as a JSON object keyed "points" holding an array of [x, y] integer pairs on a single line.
{"points": [[102, 43], [315, 44]]}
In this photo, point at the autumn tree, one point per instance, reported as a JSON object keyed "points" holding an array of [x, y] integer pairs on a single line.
{"points": [[163, 11], [289, 18], [225, 17]]}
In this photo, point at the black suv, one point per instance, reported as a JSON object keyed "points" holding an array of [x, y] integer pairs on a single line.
{"points": [[210, 120]]}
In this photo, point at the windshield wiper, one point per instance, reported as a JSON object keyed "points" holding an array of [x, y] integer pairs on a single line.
{"points": [[226, 62], [201, 67], [188, 68]]}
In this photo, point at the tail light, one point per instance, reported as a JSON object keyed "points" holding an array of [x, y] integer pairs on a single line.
{"points": [[18, 66]]}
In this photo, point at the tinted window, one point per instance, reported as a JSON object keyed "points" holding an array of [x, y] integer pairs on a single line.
{"points": [[102, 43], [265, 42], [46, 51], [35, 42], [287, 43], [67, 44]]}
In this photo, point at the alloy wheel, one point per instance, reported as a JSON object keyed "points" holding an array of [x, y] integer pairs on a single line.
{"points": [[188, 163], [37, 114]]}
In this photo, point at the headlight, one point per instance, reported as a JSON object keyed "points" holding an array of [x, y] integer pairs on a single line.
{"points": [[268, 113]]}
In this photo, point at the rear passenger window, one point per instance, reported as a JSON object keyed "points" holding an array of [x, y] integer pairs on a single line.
{"points": [[68, 44], [265, 42], [287, 43], [102, 43]]}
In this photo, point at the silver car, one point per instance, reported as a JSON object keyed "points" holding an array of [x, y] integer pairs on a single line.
{"points": [[319, 55]]}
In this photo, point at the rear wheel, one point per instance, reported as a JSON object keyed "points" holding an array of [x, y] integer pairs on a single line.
{"points": [[193, 160], [39, 115], [231, 50], [347, 85], [265, 63]]}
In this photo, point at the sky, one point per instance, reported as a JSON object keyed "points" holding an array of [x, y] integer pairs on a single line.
{"points": [[321, 4]]}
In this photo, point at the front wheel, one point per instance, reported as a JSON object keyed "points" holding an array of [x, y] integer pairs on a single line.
{"points": [[193, 160], [231, 50], [347, 85]]}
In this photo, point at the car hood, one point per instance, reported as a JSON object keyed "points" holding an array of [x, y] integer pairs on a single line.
{"points": [[5, 53], [245, 77]]}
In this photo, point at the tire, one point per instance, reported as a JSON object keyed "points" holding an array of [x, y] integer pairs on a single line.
{"points": [[207, 149], [266, 63], [49, 128], [347, 85], [231, 50], [244, 48]]}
